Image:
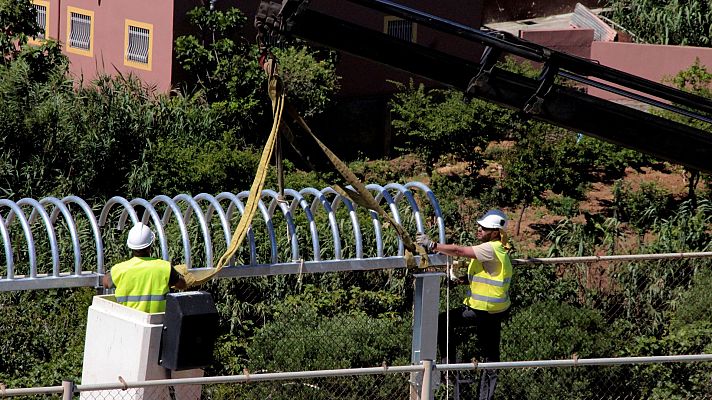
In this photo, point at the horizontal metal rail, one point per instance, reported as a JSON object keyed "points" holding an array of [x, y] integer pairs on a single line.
{"points": [[381, 370], [617, 258], [577, 362], [207, 211]]}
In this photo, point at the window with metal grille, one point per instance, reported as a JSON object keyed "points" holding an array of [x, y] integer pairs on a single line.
{"points": [[138, 44], [41, 19], [80, 31], [400, 28]]}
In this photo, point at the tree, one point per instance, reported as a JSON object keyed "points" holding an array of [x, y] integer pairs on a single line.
{"points": [[434, 123], [225, 67], [696, 80], [18, 23], [544, 158]]}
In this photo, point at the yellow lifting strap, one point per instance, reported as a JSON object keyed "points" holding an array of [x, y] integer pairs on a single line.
{"points": [[195, 278], [362, 196]]}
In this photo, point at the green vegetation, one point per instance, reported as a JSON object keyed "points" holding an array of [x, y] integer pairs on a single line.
{"points": [[685, 23], [114, 135]]}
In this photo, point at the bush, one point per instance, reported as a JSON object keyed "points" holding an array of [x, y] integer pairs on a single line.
{"points": [[642, 207], [552, 330]]}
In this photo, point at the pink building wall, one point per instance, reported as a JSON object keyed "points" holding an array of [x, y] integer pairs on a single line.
{"points": [[366, 78], [108, 40], [649, 61], [653, 62], [572, 41]]}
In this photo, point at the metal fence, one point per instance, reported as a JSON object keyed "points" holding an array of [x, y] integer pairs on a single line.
{"points": [[561, 379], [351, 319], [328, 314]]}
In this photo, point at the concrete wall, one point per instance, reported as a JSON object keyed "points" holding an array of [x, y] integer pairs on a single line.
{"points": [[108, 40]]}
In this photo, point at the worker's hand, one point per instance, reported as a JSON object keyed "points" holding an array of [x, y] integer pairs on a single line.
{"points": [[425, 241]]}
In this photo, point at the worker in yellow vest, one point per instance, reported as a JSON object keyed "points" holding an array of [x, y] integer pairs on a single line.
{"points": [[143, 281], [487, 303]]}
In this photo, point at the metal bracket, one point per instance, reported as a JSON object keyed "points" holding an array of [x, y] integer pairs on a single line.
{"points": [[546, 82], [275, 17], [487, 62]]}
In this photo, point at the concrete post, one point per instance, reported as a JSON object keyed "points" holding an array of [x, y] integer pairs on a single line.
{"points": [[426, 300]]}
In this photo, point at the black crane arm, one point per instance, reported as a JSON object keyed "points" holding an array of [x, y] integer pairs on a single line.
{"points": [[542, 98]]}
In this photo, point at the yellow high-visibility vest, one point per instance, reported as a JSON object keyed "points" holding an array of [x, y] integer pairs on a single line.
{"points": [[142, 283], [490, 292]]}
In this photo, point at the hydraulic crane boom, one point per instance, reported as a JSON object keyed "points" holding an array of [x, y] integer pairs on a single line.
{"points": [[541, 98]]}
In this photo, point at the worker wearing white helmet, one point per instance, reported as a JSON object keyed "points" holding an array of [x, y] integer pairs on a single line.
{"points": [[487, 302], [142, 282]]}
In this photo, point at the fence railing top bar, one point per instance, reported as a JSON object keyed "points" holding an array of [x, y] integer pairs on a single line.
{"points": [[622, 257], [382, 370], [4, 392], [313, 267], [261, 377], [577, 362]]}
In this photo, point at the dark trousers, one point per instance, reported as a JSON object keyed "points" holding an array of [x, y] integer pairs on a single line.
{"points": [[488, 328]]}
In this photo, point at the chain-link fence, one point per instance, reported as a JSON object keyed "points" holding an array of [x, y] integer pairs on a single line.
{"points": [[560, 311], [560, 379]]}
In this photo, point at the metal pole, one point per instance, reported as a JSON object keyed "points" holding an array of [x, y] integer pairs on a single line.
{"points": [[67, 390], [426, 392]]}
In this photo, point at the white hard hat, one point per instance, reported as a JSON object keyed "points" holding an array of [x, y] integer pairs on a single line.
{"points": [[140, 237], [493, 219]]}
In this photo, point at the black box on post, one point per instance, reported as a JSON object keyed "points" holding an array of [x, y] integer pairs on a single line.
{"points": [[189, 331]]}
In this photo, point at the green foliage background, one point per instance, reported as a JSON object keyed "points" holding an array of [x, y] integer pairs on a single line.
{"points": [[114, 135]]}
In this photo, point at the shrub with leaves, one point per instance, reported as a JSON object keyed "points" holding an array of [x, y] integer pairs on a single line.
{"points": [[681, 23], [552, 330]]}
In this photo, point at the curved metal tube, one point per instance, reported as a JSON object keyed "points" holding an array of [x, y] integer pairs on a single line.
{"points": [[173, 209], [8, 249], [128, 208], [377, 230], [94, 227], [216, 207], [32, 255], [383, 193], [193, 206], [356, 226], [405, 192], [235, 202], [287, 213], [320, 198], [436, 206], [71, 225], [298, 199], [37, 208]]}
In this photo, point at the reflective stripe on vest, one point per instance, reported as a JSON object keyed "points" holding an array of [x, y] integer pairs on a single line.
{"points": [[125, 299], [475, 278], [490, 292], [142, 283]]}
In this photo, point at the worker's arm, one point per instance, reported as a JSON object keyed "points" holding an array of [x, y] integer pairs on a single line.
{"points": [[106, 281], [454, 250]]}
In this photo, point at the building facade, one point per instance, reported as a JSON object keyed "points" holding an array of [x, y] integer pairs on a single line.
{"points": [[137, 37]]}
